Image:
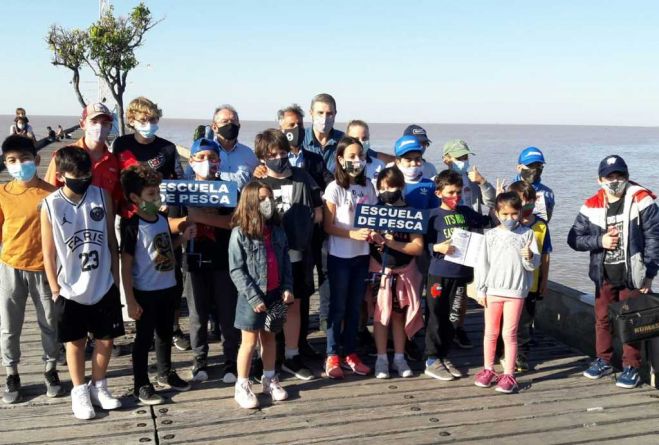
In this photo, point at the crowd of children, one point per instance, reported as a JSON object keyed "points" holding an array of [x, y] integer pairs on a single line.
{"points": [[251, 268]]}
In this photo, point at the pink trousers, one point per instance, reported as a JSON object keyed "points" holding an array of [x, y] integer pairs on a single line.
{"points": [[511, 309]]}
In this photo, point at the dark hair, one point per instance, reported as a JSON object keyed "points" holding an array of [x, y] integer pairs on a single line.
{"points": [[392, 176], [74, 160], [294, 108], [136, 177], [510, 199], [325, 99], [247, 215], [268, 140], [20, 110], [342, 177], [448, 177], [19, 143], [523, 188]]}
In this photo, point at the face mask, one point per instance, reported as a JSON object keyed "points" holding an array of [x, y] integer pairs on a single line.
{"points": [[510, 224], [266, 208], [451, 201], [229, 131], [294, 136], [204, 169], [353, 168], [460, 166], [323, 124], [391, 198], [527, 209], [531, 175], [412, 173], [24, 171], [151, 207], [146, 130], [20, 126], [366, 145], [97, 132], [78, 186], [615, 188], [279, 166]]}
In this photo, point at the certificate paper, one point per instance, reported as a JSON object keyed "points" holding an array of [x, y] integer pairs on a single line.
{"points": [[467, 247]]}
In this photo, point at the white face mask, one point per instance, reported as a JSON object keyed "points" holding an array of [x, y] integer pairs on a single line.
{"points": [[147, 130], [412, 173], [460, 166], [323, 124], [97, 132], [201, 168]]}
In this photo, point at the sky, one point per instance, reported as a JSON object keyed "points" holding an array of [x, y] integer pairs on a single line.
{"points": [[500, 62]]}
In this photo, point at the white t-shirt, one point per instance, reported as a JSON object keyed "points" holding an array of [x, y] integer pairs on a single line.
{"points": [[346, 201]]}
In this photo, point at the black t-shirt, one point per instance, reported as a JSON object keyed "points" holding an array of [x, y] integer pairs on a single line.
{"points": [[160, 155], [392, 258], [615, 260]]}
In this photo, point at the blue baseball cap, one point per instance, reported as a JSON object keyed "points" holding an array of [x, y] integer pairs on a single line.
{"points": [[406, 144], [530, 155], [203, 144]]}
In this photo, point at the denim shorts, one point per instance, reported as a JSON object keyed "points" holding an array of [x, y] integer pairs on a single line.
{"points": [[246, 318]]}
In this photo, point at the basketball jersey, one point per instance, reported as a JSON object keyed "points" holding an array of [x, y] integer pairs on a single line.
{"points": [[80, 232]]}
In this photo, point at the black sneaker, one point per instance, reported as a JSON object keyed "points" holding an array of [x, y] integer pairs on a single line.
{"points": [[53, 384], [173, 381], [308, 351], [461, 339], [295, 366], [199, 369], [412, 351], [148, 396], [12, 392], [180, 341], [230, 372]]}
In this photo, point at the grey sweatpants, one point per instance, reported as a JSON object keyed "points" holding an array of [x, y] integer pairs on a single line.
{"points": [[15, 285]]}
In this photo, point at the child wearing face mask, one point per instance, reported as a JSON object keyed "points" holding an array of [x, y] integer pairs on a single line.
{"points": [[149, 281], [447, 281], [397, 302], [261, 270], [530, 164], [419, 191], [348, 256], [619, 226], [504, 275]]}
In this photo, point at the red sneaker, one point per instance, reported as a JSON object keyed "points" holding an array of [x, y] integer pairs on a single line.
{"points": [[355, 363], [333, 367]]}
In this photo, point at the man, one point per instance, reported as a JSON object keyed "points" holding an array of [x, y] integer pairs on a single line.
{"points": [[429, 170]]}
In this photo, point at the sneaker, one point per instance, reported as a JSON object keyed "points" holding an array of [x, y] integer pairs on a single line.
{"points": [[273, 387], [333, 367], [180, 341], [230, 372], [382, 368], [244, 395], [100, 396], [81, 403], [629, 378], [173, 381], [506, 384], [598, 369], [53, 384], [199, 369], [486, 378], [461, 339], [412, 351], [402, 368], [450, 367], [12, 392], [437, 370], [297, 368], [308, 351], [521, 363], [356, 365], [148, 396]]}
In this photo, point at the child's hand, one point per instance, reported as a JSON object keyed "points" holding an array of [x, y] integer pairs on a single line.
{"points": [[482, 300], [189, 232], [360, 234], [287, 297], [444, 248], [475, 176], [260, 308], [610, 239], [134, 310], [376, 238], [526, 252], [501, 186], [260, 171]]}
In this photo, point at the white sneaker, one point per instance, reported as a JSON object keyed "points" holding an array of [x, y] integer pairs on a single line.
{"points": [[272, 387], [381, 368], [402, 368], [81, 403], [244, 395], [100, 396], [228, 378]]}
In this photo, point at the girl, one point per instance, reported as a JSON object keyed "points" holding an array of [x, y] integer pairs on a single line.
{"points": [[397, 297], [347, 259], [503, 277], [261, 270]]}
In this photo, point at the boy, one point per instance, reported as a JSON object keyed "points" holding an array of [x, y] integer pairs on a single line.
{"points": [[21, 266], [447, 281], [298, 203], [530, 164], [619, 226], [149, 280], [80, 257]]}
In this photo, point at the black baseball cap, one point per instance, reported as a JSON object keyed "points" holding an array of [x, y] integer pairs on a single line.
{"points": [[612, 164], [418, 131]]}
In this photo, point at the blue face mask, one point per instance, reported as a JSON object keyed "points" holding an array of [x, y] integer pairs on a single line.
{"points": [[146, 130], [460, 166], [366, 145], [510, 224], [24, 171]]}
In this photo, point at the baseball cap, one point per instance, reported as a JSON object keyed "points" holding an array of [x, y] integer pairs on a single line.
{"points": [[202, 144], [457, 148], [530, 155], [418, 131], [611, 164], [93, 110], [406, 144]]}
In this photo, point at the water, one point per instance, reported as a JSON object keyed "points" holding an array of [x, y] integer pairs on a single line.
{"points": [[572, 152]]}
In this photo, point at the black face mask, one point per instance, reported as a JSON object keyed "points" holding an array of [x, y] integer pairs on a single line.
{"points": [[279, 166], [78, 186], [531, 175], [294, 135], [391, 197], [229, 131]]}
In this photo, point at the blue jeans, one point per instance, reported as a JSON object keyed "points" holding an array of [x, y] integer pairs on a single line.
{"points": [[347, 283]]}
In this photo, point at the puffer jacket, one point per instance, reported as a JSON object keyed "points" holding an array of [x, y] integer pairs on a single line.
{"points": [[640, 234]]}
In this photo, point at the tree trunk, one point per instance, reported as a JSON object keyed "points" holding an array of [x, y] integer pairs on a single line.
{"points": [[76, 88], [120, 111]]}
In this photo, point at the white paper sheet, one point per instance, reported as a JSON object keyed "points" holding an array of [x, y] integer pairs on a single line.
{"points": [[467, 247]]}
